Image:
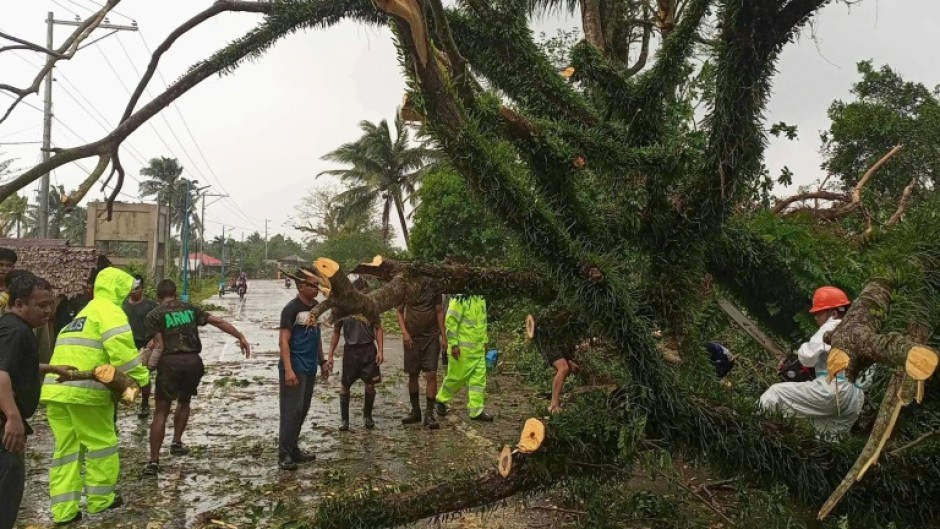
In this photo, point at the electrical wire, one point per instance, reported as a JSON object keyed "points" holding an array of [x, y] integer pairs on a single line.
{"points": [[100, 5], [65, 8]]}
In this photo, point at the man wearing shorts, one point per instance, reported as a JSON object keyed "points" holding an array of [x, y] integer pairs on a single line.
{"points": [[423, 335], [175, 328], [363, 353]]}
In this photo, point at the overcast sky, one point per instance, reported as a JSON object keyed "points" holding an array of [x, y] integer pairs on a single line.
{"points": [[258, 135]]}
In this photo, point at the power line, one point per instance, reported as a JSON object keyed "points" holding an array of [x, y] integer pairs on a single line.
{"points": [[135, 153], [218, 181], [163, 116], [81, 6], [65, 8], [100, 5], [126, 89]]}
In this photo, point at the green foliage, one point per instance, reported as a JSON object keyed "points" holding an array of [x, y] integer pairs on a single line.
{"points": [[385, 169], [887, 111], [62, 224], [450, 222], [352, 248]]}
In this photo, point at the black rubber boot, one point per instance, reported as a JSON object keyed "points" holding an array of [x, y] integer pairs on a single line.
{"points": [[415, 416], [367, 410], [344, 413], [429, 419]]}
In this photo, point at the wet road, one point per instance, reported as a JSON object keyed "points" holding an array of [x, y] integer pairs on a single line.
{"points": [[231, 475]]}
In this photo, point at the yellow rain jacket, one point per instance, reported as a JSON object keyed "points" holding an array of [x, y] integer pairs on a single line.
{"points": [[99, 334]]}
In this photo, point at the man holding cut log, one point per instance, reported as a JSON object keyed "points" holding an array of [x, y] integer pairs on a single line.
{"points": [[175, 329], [30, 306], [81, 412]]}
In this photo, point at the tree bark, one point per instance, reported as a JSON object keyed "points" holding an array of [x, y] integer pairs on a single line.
{"points": [[123, 387], [592, 24], [400, 208]]}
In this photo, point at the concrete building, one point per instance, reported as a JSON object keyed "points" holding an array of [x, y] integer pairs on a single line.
{"points": [[136, 234]]}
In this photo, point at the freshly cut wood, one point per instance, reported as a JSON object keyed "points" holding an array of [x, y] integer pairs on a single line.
{"points": [[121, 386], [326, 267], [838, 362], [505, 461], [567, 72], [530, 326], [921, 362], [533, 433]]}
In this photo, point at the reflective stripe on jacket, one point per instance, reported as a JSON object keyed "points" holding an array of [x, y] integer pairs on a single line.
{"points": [[100, 334], [466, 323]]}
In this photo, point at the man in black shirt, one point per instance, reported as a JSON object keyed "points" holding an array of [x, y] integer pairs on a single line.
{"points": [[174, 325], [136, 306], [30, 306]]}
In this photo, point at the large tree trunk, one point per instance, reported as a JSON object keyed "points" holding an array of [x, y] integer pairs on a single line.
{"points": [[400, 207]]}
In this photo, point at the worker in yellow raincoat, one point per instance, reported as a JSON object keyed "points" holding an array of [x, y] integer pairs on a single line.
{"points": [[81, 412], [466, 339]]}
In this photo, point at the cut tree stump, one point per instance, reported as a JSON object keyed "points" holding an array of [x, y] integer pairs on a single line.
{"points": [[121, 386], [533, 434]]}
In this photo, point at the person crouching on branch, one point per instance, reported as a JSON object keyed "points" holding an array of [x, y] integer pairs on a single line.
{"points": [[81, 413], [466, 338], [363, 353], [833, 406], [301, 353]]}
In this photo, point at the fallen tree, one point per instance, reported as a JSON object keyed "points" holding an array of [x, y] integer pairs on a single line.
{"points": [[622, 207]]}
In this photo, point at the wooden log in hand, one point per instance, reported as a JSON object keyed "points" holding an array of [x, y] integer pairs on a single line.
{"points": [[123, 387]]}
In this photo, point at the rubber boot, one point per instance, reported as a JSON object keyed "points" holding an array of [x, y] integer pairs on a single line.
{"points": [[344, 413], [367, 411], [429, 419], [415, 416]]}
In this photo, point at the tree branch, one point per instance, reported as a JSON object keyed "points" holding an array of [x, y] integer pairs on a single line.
{"points": [[857, 192], [64, 52], [220, 6], [27, 45], [903, 203], [783, 204], [591, 24], [253, 43]]}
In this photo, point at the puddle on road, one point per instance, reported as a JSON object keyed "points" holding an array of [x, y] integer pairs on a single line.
{"points": [[231, 473]]}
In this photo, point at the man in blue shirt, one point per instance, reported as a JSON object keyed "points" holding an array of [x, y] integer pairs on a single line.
{"points": [[301, 353]]}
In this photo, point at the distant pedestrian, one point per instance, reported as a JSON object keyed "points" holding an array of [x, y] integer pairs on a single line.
{"points": [[301, 354], [174, 325], [8, 260], [363, 353]]}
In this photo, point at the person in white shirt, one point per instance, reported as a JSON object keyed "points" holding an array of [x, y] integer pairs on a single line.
{"points": [[834, 406]]}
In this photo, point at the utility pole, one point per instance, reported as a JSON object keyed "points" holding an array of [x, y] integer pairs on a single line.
{"points": [[185, 237], [265, 239], [222, 273], [47, 111]]}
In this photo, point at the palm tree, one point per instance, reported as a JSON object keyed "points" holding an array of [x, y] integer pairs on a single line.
{"points": [[13, 213], [384, 167], [62, 224], [166, 184]]}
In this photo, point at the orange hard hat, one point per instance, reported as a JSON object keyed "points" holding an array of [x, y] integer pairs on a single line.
{"points": [[828, 297]]}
